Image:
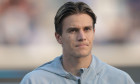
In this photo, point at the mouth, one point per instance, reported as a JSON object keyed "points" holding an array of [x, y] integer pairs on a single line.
{"points": [[82, 45]]}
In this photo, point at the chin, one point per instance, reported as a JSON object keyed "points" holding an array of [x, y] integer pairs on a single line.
{"points": [[82, 55]]}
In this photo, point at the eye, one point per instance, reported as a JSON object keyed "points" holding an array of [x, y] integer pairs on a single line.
{"points": [[87, 28], [72, 30]]}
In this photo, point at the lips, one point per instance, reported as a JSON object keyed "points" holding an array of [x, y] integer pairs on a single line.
{"points": [[82, 45]]}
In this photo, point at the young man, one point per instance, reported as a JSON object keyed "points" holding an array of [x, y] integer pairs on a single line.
{"points": [[75, 31]]}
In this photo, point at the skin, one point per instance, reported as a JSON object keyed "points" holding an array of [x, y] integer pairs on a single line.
{"points": [[77, 41]]}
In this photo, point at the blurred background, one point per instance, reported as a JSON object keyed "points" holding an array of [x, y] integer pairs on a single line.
{"points": [[27, 35]]}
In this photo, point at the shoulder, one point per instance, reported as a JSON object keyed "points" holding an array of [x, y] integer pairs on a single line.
{"points": [[112, 71], [36, 77], [112, 74], [43, 74]]}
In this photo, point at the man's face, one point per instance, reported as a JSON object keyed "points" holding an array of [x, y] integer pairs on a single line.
{"points": [[77, 36]]}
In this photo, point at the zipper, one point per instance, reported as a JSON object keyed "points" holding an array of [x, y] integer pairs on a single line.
{"points": [[79, 81]]}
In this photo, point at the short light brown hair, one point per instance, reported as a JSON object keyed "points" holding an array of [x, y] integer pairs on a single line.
{"points": [[71, 8]]}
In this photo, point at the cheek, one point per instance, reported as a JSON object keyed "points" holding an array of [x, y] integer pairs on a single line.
{"points": [[90, 36], [66, 40], [70, 41], [69, 37], [90, 39]]}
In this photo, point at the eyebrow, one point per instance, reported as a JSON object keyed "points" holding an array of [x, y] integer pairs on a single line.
{"points": [[78, 28], [75, 28], [72, 28], [89, 26]]}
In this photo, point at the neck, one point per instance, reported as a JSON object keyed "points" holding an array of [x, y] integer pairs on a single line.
{"points": [[74, 64]]}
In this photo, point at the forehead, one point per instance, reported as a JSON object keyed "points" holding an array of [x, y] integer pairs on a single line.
{"points": [[77, 20]]}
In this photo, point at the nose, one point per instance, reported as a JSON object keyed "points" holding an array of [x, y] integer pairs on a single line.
{"points": [[81, 36]]}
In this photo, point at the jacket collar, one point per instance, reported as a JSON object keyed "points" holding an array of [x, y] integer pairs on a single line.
{"points": [[56, 67]]}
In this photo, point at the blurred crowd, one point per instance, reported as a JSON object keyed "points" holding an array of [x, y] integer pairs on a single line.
{"points": [[17, 22], [134, 10], [118, 22]]}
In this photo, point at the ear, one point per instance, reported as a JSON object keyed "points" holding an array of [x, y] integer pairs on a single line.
{"points": [[58, 38], [94, 29]]}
